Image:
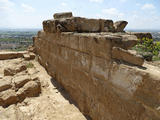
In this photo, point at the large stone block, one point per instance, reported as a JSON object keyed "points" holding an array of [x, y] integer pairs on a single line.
{"points": [[120, 25], [106, 25], [50, 26], [5, 83], [87, 25], [21, 80], [126, 56], [101, 47], [124, 41], [62, 15], [8, 97]]}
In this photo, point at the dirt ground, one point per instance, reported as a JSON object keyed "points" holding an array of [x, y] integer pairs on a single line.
{"points": [[53, 103]]}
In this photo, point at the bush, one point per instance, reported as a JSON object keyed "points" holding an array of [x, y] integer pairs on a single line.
{"points": [[148, 49]]}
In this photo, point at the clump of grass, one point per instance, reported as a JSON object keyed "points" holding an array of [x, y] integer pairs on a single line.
{"points": [[29, 65]]}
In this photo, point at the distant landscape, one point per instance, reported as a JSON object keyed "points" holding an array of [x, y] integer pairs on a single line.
{"points": [[20, 39], [16, 39]]}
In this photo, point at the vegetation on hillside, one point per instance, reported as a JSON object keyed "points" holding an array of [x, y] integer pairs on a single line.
{"points": [[148, 48], [16, 40]]}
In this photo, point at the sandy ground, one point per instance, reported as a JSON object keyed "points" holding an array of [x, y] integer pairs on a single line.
{"points": [[52, 104]]}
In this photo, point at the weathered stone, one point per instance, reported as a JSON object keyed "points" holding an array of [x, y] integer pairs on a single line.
{"points": [[125, 55], [9, 72], [30, 89], [32, 56], [5, 83], [26, 56], [141, 35], [98, 71], [78, 24], [11, 55], [62, 15], [66, 25], [31, 48], [106, 25], [50, 26], [87, 25], [8, 97], [120, 25], [12, 70], [147, 56], [21, 80]]}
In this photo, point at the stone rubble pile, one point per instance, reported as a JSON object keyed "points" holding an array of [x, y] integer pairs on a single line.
{"points": [[17, 84]]}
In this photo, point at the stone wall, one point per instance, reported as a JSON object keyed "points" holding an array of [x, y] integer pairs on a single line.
{"points": [[105, 79]]}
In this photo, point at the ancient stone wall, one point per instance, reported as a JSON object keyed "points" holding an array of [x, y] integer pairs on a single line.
{"points": [[105, 79]]}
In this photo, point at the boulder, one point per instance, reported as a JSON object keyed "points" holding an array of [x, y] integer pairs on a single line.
{"points": [[8, 97], [124, 55], [19, 81], [62, 15], [5, 83], [30, 89], [120, 25], [12, 70]]}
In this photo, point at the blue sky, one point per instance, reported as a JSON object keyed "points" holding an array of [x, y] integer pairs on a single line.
{"points": [[141, 14]]}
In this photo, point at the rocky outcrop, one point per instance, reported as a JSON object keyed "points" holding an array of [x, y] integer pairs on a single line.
{"points": [[94, 64]]}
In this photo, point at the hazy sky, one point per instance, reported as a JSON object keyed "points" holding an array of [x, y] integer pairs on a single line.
{"points": [[141, 14]]}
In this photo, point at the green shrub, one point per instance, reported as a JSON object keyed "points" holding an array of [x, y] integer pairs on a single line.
{"points": [[148, 48]]}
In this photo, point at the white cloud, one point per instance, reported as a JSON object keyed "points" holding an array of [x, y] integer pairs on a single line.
{"points": [[148, 6], [113, 13], [6, 5], [123, 0], [6, 10], [64, 4], [98, 1], [27, 8]]}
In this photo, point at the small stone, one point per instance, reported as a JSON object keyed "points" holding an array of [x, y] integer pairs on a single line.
{"points": [[26, 56], [32, 56]]}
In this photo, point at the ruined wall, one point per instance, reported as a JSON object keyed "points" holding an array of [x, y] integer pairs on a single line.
{"points": [[103, 77]]}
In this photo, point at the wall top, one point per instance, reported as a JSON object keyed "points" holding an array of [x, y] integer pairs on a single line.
{"points": [[65, 22]]}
